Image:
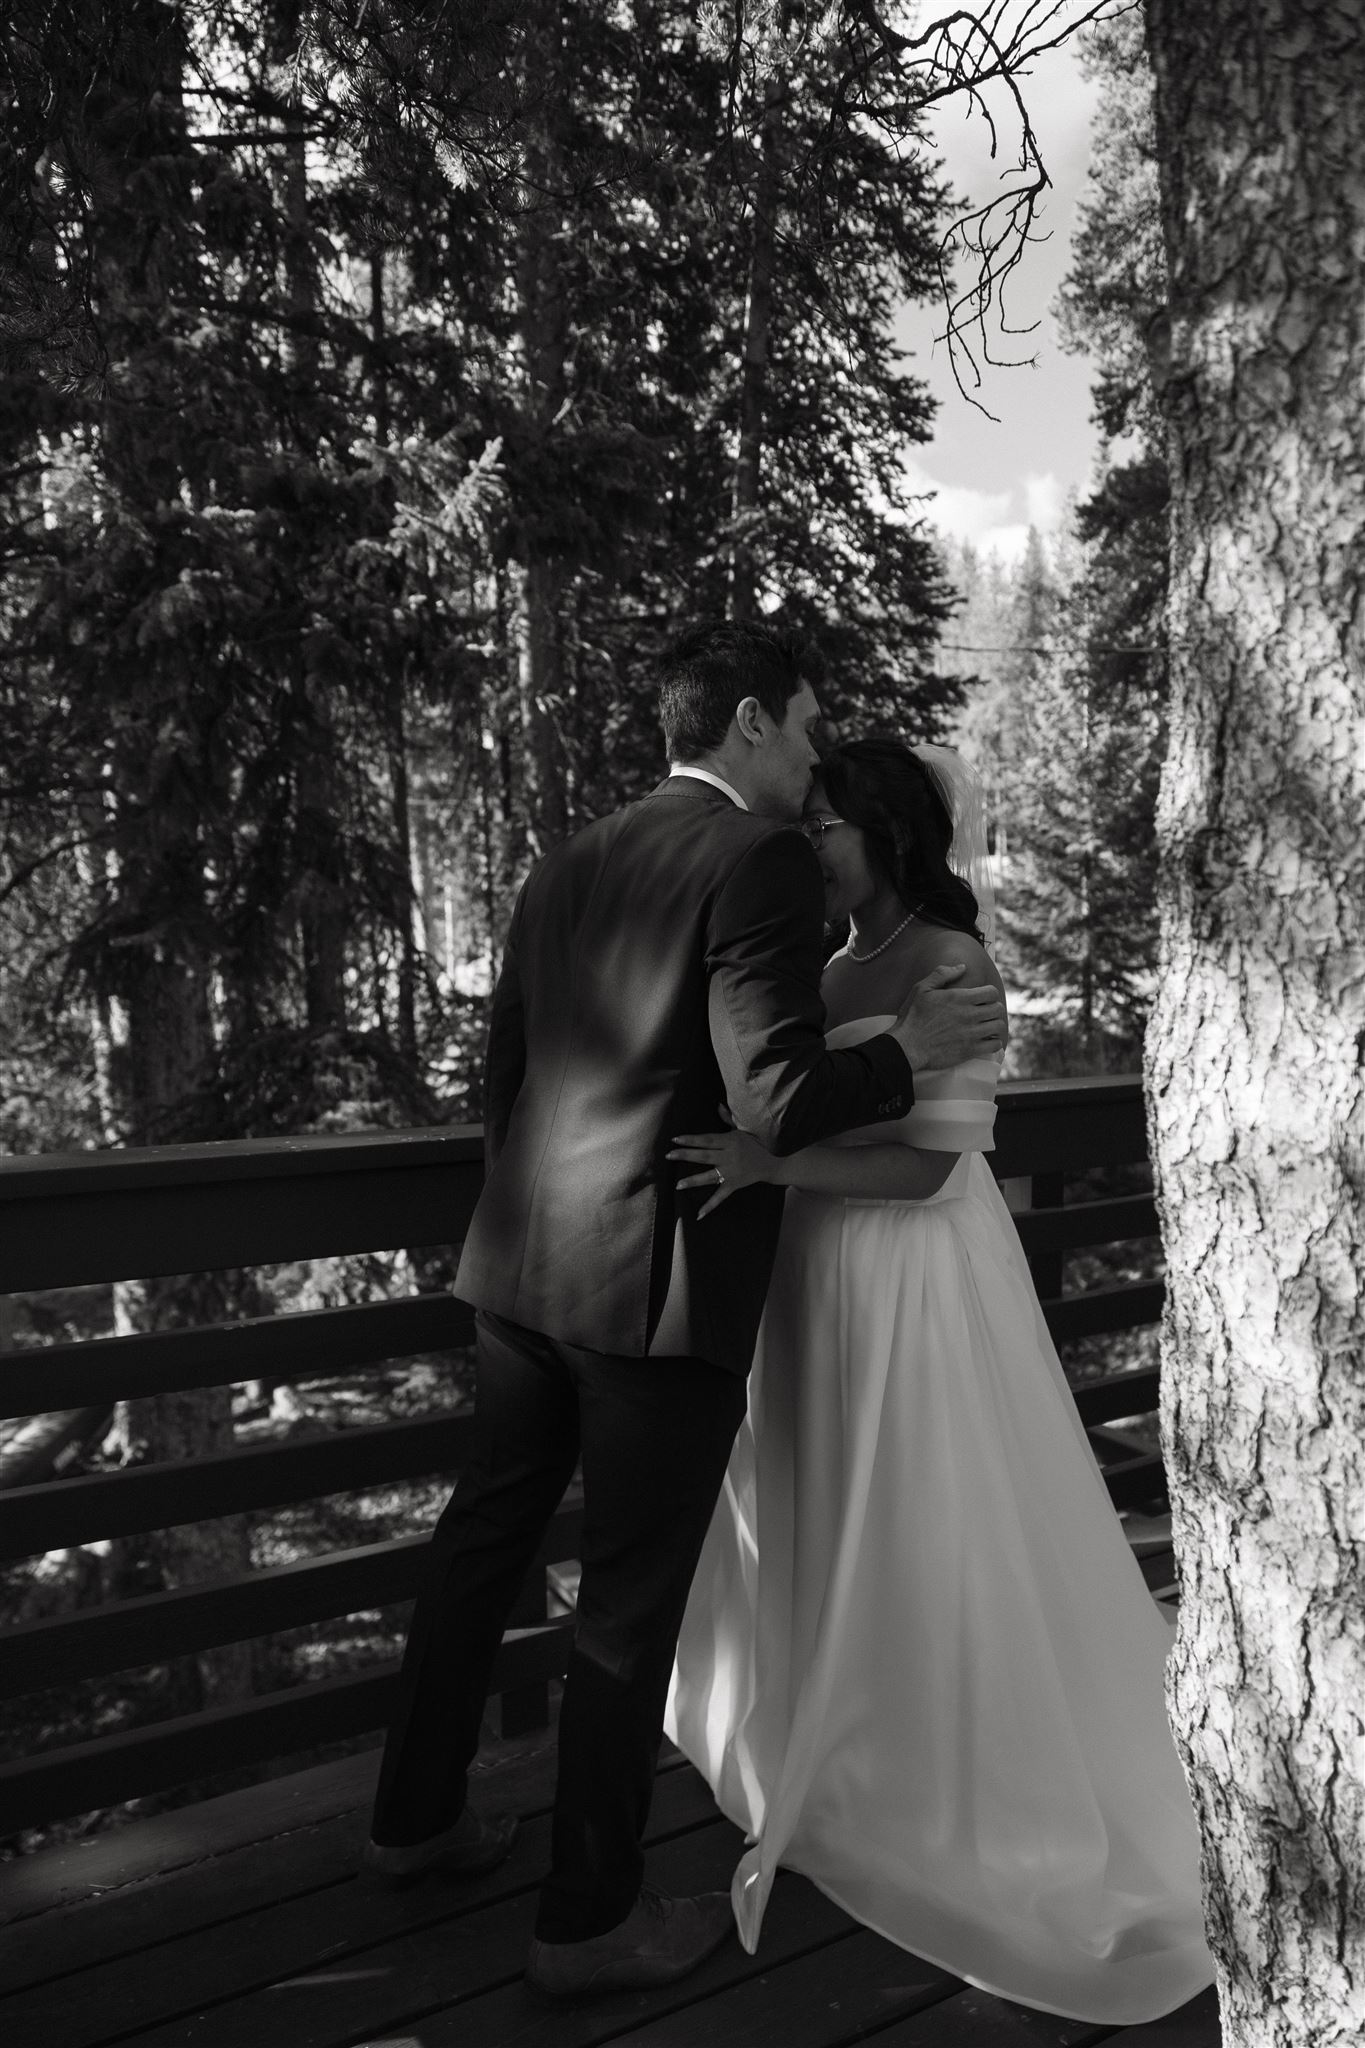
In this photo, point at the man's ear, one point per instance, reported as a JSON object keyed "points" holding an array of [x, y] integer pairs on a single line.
{"points": [[748, 714]]}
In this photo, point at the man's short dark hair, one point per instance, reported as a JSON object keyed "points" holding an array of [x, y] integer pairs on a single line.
{"points": [[707, 671]]}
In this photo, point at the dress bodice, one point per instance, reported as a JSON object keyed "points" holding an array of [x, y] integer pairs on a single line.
{"points": [[954, 1108], [855, 1031]]}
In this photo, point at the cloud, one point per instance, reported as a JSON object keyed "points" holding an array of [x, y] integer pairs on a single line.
{"points": [[996, 522], [1044, 499], [957, 509], [1006, 543]]}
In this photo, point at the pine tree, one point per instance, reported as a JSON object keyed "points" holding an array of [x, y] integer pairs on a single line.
{"points": [[1072, 730], [1011, 716], [1117, 616]]}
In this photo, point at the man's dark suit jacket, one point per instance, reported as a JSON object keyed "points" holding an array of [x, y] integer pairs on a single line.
{"points": [[662, 961]]}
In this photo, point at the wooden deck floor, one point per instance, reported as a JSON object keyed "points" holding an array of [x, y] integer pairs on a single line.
{"points": [[239, 1923]]}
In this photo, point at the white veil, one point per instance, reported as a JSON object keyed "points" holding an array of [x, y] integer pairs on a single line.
{"points": [[964, 793]]}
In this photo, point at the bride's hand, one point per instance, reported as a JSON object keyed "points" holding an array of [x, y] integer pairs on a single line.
{"points": [[737, 1158]]}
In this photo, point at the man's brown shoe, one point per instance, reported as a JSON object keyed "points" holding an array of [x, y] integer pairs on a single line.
{"points": [[660, 1940], [471, 1848]]}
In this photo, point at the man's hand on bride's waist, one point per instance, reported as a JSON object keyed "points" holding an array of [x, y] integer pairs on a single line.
{"points": [[727, 1161]]}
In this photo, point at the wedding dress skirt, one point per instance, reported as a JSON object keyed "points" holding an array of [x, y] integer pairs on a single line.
{"points": [[919, 1663]]}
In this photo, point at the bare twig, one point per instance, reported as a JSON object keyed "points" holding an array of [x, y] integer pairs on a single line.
{"points": [[892, 76]]}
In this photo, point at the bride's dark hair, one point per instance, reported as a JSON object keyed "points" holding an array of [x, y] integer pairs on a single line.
{"points": [[884, 789]]}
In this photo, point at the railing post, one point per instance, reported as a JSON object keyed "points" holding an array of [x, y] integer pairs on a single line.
{"points": [[1047, 1266], [1038, 1191]]}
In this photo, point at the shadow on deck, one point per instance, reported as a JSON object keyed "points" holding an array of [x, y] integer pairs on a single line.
{"points": [[240, 1923]]}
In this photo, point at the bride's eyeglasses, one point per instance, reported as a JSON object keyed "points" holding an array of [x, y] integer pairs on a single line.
{"points": [[816, 828]]}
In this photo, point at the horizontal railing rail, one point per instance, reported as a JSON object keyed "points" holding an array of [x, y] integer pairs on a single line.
{"points": [[161, 1495], [70, 1218], [303, 1345], [78, 1219]]}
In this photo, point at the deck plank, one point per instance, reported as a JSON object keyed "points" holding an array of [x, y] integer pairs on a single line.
{"points": [[398, 1982], [973, 2019], [839, 1993], [799, 1922], [342, 1930], [1195, 2025], [279, 1845], [256, 1933], [186, 1900], [152, 1849]]}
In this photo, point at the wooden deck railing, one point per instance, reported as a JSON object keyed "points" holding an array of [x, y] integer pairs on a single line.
{"points": [[92, 1217]]}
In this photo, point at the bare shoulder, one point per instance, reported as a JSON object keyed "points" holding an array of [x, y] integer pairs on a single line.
{"points": [[937, 946]]}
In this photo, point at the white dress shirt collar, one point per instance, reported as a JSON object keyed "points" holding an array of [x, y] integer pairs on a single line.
{"points": [[705, 775]]}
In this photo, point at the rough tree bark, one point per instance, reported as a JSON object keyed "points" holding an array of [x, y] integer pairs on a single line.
{"points": [[1255, 1045]]}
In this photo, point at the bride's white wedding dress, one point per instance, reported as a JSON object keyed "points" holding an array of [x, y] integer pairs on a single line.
{"points": [[919, 1663]]}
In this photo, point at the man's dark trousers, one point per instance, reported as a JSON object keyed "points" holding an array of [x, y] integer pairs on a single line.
{"points": [[654, 1435]]}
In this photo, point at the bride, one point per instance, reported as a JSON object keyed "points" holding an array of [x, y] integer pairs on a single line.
{"points": [[919, 1662]]}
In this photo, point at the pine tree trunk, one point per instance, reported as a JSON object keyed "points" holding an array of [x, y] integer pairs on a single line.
{"points": [[164, 993], [753, 390], [1254, 1048], [537, 588], [324, 919], [300, 267], [323, 914], [379, 375], [537, 584], [407, 908], [108, 1026], [156, 969]]}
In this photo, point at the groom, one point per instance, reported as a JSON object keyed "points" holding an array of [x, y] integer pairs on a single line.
{"points": [[662, 961]]}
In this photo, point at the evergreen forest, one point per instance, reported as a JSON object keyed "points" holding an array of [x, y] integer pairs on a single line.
{"points": [[359, 451]]}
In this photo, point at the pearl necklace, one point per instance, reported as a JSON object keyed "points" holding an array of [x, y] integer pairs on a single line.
{"points": [[861, 959]]}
